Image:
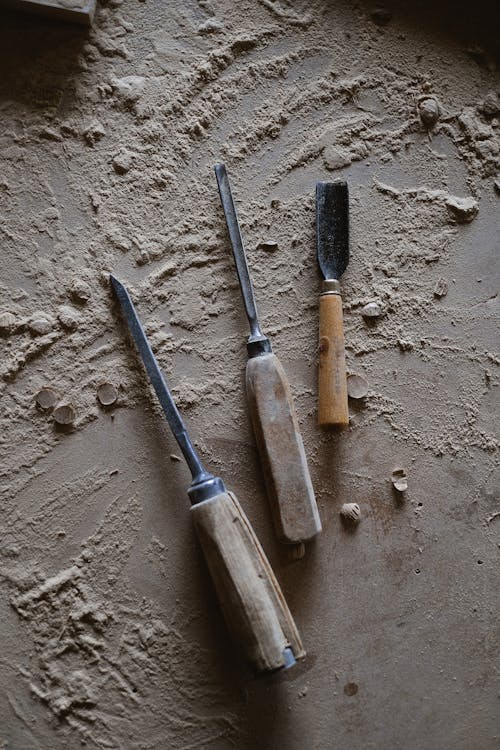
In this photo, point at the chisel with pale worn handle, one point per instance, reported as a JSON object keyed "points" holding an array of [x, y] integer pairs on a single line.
{"points": [[332, 224], [276, 429], [253, 605]]}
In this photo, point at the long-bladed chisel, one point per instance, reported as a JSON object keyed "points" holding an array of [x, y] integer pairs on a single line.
{"points": [[332, 226], [272, 411], [252, 602]]}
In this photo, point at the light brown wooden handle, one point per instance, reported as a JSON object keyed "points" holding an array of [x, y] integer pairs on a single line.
{"points": [[332, 381], [281, 450], [253, 605]]}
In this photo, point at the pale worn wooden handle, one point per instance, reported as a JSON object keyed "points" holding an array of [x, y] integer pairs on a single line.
{"points": [[281, 450], [332, 381], [253, 605]]}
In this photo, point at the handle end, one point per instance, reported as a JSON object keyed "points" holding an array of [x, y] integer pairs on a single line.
{"points": [[252, 602]]}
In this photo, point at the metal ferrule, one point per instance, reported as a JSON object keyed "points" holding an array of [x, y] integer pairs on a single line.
{"points": [[289, 658], [258, 347], [330, 286], [206, 489]]}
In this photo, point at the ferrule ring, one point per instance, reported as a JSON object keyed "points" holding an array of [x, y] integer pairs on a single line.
{"points": [[330, 286]]}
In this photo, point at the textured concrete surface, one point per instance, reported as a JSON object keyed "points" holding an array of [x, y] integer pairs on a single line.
{"points": [[111, 633]]}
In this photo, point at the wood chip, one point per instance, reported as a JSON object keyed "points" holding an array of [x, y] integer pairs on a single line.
{"points": [[463, 210], [64, 414], [371, 310], [46, 398], [351, 512], [441, 288], [7, 323], [399, 479], [357, 386], [107, 394], [428, 109]]}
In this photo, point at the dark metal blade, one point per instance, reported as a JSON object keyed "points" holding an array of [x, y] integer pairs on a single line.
{"points": [[332, 228], [200, 475], [238, 252]]}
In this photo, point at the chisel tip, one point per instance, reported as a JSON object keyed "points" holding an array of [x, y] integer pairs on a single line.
{"points": [[120, 291], [115, 283], [220, 169]]}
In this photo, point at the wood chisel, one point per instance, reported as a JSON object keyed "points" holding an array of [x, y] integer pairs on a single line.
{"points": [[332, 225], [252, 602], [272, 411]]}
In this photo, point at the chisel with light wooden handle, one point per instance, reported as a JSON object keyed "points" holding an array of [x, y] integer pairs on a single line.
{"points": [[332, 223], [276, 429], [253, 605]]}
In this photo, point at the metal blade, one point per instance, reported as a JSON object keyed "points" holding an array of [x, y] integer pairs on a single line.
{"points": [[233, 226], [202, 479], [332, 228]]}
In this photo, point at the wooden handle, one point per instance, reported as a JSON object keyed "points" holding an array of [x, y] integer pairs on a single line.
{"points": [[281, 450], [332, 385], [254, 608]]}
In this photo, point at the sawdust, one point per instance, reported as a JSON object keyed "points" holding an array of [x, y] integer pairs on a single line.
{"points": [[108, 145], [95, 663]]}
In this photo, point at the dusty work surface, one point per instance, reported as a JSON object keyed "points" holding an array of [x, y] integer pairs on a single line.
{"points": [[111, 636]]}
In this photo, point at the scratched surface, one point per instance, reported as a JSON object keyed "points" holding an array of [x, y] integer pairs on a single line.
{"points": [[111, 634]]}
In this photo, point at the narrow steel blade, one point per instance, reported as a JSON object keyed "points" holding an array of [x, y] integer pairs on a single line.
{"points": [[238, 252], [332, 228], [199, 473]]}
